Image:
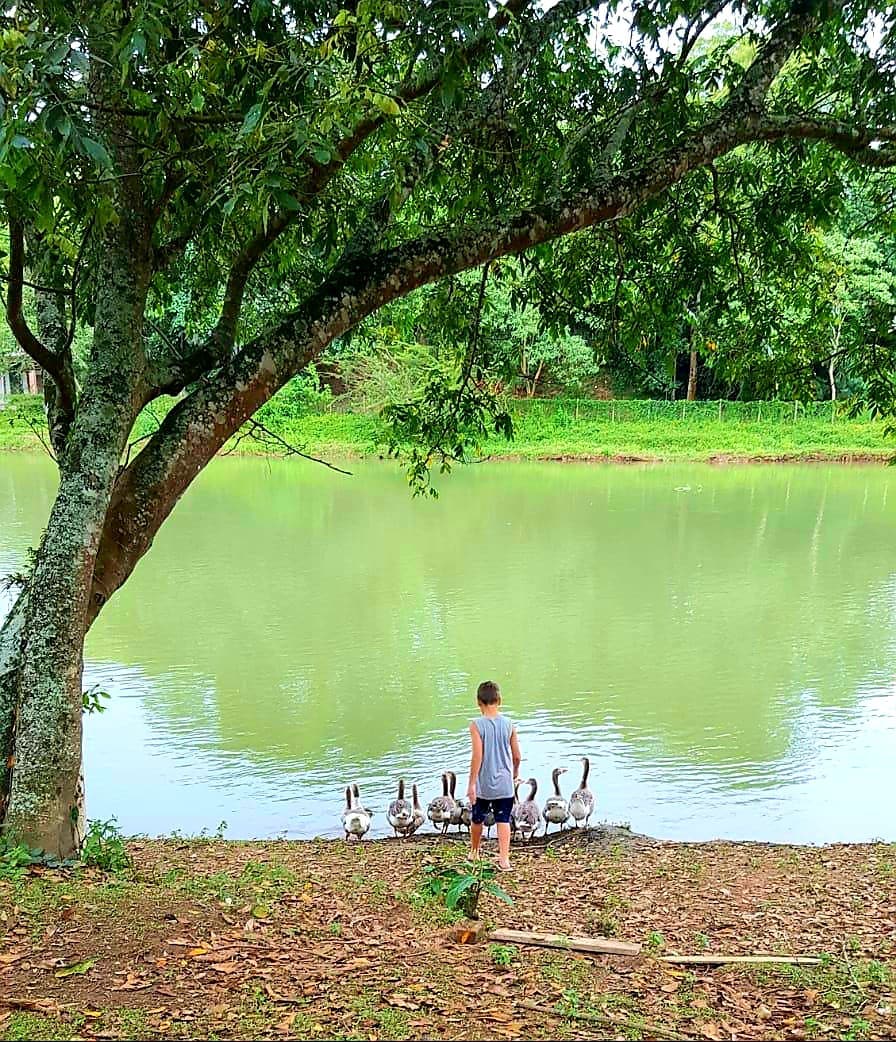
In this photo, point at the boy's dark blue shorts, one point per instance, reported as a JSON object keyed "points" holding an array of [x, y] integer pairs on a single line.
{"points": [[500, 808]]}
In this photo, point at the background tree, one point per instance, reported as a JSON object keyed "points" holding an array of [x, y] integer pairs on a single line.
{"points": [[221, 191]]}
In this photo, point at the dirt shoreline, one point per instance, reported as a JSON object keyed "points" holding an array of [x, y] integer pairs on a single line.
{"points": [[321, 939]]}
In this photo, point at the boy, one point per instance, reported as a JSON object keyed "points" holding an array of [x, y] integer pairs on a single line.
{"points": [[494, 765]]}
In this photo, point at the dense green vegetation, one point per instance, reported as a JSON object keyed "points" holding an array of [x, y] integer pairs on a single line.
{"points": [[547, 429]]}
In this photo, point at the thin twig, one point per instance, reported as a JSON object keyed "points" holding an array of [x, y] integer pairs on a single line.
{"points": [[642, 1026], [291, 450]]}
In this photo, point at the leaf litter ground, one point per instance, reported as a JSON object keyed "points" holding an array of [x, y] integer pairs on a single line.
{"points": [[218, 939]]}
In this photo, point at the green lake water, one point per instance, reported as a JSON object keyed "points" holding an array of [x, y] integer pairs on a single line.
{"points": [[720, 641]]}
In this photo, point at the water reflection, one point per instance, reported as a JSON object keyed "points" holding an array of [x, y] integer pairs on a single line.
{"points": [[719, 639]]}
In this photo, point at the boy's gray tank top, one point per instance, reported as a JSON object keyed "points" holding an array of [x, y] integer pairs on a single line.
{"points": [[496, 773]]}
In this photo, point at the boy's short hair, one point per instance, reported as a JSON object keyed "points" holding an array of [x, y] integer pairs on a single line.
{"points": [[488, 693]]}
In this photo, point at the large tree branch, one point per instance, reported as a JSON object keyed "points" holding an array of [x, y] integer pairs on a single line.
{"points": [[197, 427], [55, 364], [223, 336]]}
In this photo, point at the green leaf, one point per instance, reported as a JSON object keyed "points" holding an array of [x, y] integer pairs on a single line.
{"points": [[251, 119], [322, 154], [457, 889], [388, 106], [288, 201], [76, 969], [497, 891], [138, 42], [20, 141], [97, 151]]}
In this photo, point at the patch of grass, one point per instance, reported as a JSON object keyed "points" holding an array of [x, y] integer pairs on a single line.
{"points": [[702, 941], [25, 1027], [258, 880], [393, 1023], [132, 1023], [503, 954]]}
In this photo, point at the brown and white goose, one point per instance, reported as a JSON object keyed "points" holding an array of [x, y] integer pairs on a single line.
{"points": [[556, 809], [460, 815], [401, 811], [355, 819], [581, 803], [526, 815], [440, 809]]}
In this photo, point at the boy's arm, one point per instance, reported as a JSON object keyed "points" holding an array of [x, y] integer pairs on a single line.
{"points": [[475, 762], [515, 753]]}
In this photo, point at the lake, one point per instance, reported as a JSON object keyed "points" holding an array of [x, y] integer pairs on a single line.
{"points": [[721, 641]]}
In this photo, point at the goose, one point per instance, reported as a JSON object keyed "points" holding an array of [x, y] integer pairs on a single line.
{"points": [[357, 794], [419, 817], [400, 812], [517, 782], [581, 803], [355, 819], [460, 815], [526, 815], [556, 809], [439, 810]]}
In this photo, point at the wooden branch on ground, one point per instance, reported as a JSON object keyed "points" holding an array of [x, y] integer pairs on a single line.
{"points": [[605, 946], [724, 960], [596, 945], [646, 1029]]}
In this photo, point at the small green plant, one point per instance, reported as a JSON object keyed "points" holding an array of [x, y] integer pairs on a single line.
{"points": [[103, 847], [92, 699], [655, 941], [15, 858], [503, 954], [460, 886], [335, 928], [702, 941], [858, 1029]]}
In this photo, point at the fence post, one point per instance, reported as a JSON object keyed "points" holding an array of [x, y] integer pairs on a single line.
{"points": [[794, 411], [759, 419], [613, 412], [720, 410], [577, 410]]}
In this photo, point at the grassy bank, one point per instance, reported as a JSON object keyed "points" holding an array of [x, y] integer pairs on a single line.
{"points": [[561, 429], [214, 939]]}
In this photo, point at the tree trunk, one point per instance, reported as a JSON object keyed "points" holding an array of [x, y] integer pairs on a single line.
{"points": [[833, 382], [11, 633], [46, 806], [692, 377]]}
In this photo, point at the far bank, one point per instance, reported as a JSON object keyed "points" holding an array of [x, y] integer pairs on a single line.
{"points": [[587, 430]]}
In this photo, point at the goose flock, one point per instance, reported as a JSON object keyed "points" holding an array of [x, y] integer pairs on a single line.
{"points": [[447, 811]]}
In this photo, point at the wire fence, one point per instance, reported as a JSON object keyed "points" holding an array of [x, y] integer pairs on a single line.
{"points": [[628, 410]]}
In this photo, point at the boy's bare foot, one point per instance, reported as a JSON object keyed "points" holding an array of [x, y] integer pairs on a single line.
{"points": [[505, 866]]}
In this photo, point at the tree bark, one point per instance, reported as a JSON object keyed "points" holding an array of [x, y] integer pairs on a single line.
{"points": [[692, 377], [46, 805], [11, 634]]}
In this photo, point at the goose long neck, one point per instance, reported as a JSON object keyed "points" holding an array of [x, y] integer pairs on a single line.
{"points": [[585, 769], [401, 788], [416, 799], [555, 774], [533, 788], [348, 797], [452, 778], [444, 784]]}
